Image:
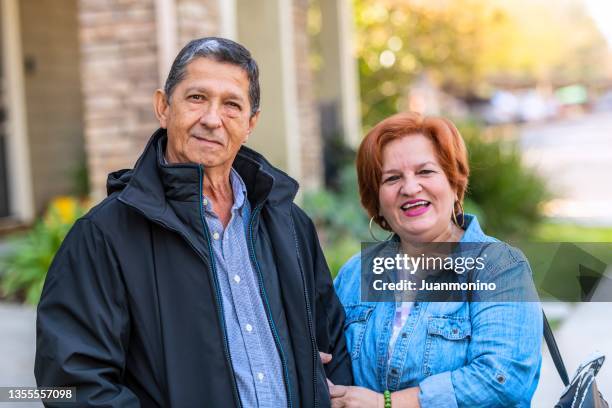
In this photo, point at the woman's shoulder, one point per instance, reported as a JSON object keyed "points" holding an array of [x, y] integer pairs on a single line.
{"points": [[347, 270], [347, 282], [500, 254]]}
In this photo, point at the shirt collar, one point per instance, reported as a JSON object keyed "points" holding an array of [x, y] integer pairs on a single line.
{"points": [[239, 189]]}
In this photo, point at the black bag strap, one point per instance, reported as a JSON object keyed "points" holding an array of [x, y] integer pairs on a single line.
{"points": [[554, 351]]}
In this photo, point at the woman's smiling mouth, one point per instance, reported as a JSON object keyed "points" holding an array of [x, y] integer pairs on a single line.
{"points": [[414, 208]]}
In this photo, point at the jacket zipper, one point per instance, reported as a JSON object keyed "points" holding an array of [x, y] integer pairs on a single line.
{"points": [[315, 355], [262, 291], [218, 295]]}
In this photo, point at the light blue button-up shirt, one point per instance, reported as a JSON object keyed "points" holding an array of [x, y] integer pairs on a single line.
{"points": [[255, 358], [460, 354]]}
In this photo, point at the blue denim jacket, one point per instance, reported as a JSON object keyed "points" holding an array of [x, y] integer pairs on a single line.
{"points": [[460, 354]]}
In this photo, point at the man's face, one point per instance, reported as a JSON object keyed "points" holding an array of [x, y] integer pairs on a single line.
{"points": [[208, 117]]}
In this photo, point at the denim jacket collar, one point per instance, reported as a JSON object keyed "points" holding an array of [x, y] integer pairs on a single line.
{"points": [[473, 232]]}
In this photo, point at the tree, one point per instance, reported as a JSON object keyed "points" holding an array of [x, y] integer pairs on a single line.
{"points": [[463, 44]]}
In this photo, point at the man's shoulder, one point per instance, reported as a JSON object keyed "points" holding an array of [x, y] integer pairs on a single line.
{"points": [[303, 222], [112, 216], [299, 213]]}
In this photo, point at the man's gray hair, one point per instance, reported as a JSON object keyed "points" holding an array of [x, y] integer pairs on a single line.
{"points": [[221, 50]]}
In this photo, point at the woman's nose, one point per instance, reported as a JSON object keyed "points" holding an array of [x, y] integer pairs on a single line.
{"points": [[411, 186]]}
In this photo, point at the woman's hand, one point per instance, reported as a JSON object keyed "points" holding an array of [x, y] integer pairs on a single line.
{"points": [[349, 397], [355, 397], [325, 358]]}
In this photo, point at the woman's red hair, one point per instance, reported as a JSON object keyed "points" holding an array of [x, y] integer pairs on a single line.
{"points": [[448, 143]]}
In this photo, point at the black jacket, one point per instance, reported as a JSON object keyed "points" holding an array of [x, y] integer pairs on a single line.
{"points": [[130, 312]]}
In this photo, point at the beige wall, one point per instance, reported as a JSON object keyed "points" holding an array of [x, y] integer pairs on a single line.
{"points": [[259, 30], [288, 130], [53, 95]]}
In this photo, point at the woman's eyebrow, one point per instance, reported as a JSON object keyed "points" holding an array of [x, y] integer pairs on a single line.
{"points": [[390, 171], [417, 166], [426, 163]]}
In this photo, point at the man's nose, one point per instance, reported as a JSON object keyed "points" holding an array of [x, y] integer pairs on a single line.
{"points": [[411, 186], [211, 117]]}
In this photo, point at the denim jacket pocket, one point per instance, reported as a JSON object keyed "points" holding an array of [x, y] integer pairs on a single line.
{"points": [[446, 344], [354, 327]]}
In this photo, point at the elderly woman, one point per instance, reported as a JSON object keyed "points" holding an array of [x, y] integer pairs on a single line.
{"points": [[413, 174]]}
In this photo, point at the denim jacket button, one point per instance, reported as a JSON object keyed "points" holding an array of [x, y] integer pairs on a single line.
{"points": [[394, 371]]}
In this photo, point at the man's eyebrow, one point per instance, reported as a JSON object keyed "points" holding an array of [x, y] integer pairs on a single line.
{"points": [[229, 94], [195, 89]]}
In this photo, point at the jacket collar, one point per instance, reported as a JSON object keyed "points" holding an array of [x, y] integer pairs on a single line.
{"points": [[152, 183], [473, 231]]}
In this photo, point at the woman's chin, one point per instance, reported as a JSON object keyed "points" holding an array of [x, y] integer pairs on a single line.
{"points": [[416, 230]]}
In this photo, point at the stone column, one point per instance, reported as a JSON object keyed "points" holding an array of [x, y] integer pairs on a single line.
{"points": [[119, 73], [311, 147]]}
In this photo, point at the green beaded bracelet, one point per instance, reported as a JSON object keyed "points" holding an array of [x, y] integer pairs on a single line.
{"points": [[387, 395]]}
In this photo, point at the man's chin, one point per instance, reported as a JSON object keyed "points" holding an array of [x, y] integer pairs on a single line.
{"points": [[207, 160]]}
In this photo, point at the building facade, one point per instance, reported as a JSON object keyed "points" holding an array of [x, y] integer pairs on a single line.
{"points": [[78, 77]]}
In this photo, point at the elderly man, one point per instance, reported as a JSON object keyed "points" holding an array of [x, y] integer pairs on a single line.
{"points": [[197, 282]]}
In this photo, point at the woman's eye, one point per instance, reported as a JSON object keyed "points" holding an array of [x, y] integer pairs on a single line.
{"points": [[426, 171], [390, 179]]}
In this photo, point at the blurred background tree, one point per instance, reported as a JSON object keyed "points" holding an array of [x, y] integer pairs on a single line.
{"points": [[464, 45], [464, 50]]}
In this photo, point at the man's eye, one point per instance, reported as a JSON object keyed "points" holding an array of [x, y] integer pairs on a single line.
{"points": [[196, 97], [234, 105]]}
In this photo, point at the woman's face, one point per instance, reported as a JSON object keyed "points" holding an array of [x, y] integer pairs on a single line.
{"points": [[415, 196]]}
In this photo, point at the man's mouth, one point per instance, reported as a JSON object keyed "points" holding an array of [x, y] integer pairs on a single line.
{"points": [[204, 139]]}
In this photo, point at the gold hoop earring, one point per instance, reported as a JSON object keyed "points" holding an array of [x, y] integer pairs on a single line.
{"points": [[455, 215], [374, 236]]}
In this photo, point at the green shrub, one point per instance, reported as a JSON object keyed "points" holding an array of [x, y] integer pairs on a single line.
{"points": [[506, 194], [341, 222], [25, 266]]}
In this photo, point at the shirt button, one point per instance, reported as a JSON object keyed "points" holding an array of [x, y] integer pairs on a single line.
{"points": [[237, 278], [260, 376], [249, 328], [205, 202], [216, 235]]}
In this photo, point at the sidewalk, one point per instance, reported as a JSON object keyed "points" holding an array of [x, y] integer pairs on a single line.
{"points": [[587, 328], [17, 346]]}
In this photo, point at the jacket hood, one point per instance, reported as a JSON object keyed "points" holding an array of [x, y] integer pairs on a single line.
{"points": [[152, 181], [118, 180]]}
